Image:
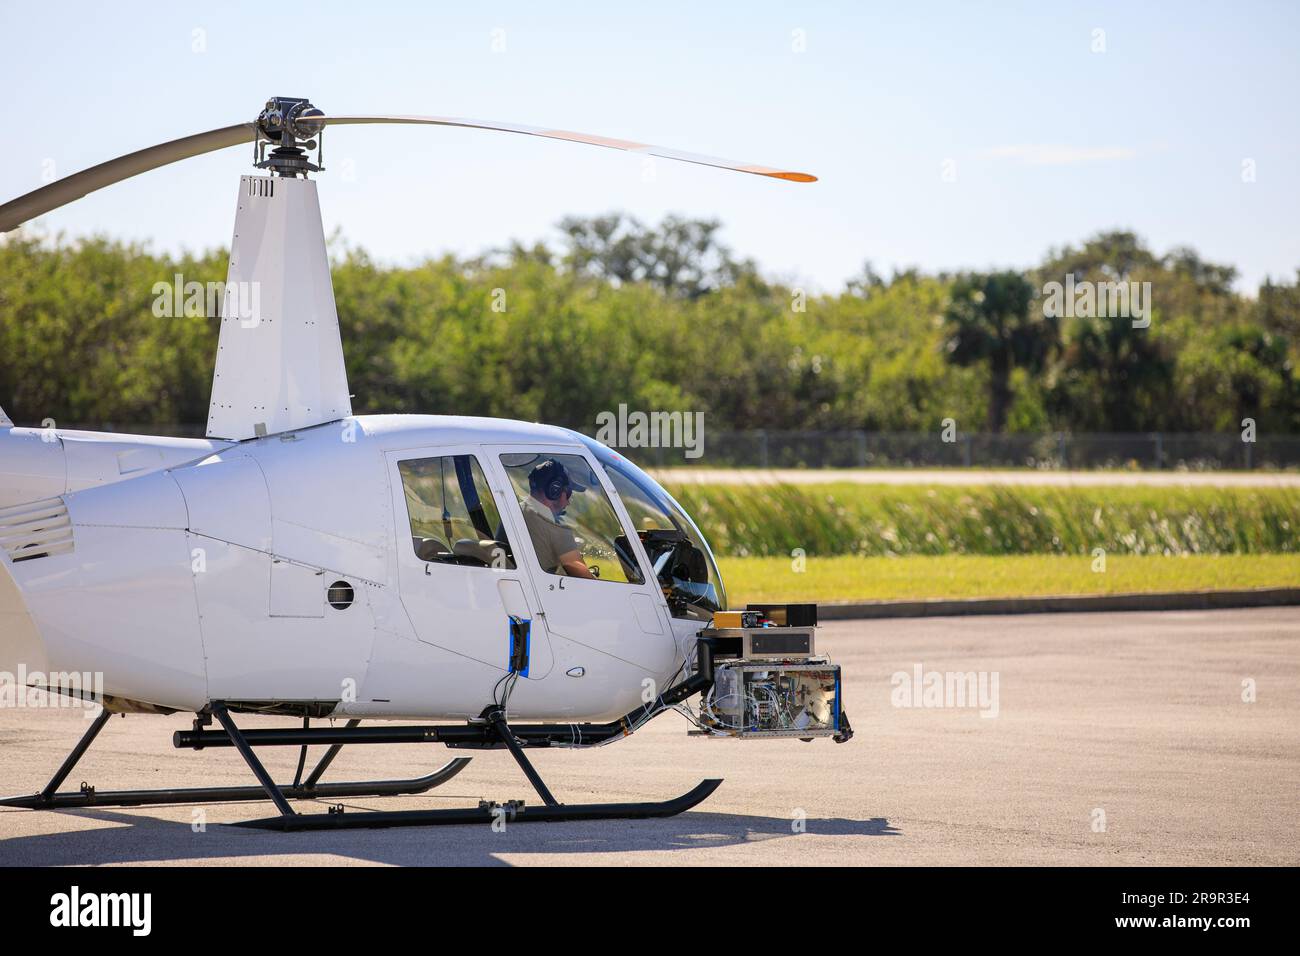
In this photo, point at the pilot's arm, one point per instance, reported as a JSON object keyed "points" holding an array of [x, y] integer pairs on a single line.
{"points": [[574, 566]]}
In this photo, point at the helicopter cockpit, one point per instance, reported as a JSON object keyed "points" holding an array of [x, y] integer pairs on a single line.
{"points": [[681, 558], [678, 554]]}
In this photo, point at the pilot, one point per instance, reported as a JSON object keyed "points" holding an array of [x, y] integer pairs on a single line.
{"points": [[550, 490]]}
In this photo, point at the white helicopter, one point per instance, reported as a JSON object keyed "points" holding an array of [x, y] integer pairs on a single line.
{"points": [[304, 561]]}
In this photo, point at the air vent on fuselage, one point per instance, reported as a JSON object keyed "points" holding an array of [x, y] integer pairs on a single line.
{"points": [[261, 186], [37, 529]]}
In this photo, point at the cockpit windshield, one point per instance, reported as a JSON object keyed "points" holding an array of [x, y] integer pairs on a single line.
{"points": [[689, 576]]}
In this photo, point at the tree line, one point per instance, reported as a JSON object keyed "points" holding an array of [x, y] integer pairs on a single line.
{"points": [[665, 317]]}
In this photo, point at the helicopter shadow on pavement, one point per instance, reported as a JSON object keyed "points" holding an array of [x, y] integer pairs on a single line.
{"points": [[143, 839]]}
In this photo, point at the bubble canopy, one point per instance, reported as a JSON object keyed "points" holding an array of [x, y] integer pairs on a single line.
{"points": [[651, 508]]}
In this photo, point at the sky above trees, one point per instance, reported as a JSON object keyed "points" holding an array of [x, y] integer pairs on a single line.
{"points": [[948, 136]]}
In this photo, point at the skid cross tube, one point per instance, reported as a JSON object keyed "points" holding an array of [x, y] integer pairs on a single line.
{"points": [[328, 758], [77, 753], [296, 736], [272, 791], [497, 718]]}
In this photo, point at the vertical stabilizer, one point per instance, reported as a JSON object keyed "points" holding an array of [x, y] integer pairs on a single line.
{"points": [[280, 358]]}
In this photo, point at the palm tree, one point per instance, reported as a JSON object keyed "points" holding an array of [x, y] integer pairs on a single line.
{"points": [[989, 319]]}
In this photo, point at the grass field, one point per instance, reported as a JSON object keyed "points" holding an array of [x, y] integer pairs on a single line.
{"points": [[891, 520], [848, 578]]}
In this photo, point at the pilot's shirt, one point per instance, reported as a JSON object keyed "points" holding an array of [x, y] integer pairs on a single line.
{"points": [[550, 538]]}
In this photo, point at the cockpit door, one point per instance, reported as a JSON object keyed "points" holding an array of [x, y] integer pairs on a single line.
{"points": [[458, 564], [621, 613]]}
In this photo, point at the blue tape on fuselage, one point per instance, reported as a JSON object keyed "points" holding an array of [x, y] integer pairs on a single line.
{"points": [[528, 644]]}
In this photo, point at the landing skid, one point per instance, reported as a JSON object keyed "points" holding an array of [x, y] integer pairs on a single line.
{"points": [[487, 812], [513, 811], [309, 789]]}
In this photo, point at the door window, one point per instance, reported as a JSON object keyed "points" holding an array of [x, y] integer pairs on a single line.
{"points": [[453, 517], [572, 525]]}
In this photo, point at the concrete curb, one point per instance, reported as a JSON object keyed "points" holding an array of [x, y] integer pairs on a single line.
{"points": [[1164, 601]]}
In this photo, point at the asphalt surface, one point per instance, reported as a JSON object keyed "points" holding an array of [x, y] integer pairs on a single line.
{"points": [[1118, 739]]}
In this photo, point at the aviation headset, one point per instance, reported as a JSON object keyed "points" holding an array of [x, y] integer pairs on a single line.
{"points": [[551, 477]]}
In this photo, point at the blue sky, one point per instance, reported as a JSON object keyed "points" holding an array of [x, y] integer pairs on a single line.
{"points": [[1048, 141]]}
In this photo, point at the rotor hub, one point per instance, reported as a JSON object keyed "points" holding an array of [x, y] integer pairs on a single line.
{"points": [[289, 124]]}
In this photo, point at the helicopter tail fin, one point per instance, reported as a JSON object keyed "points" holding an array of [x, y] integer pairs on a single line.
{"points": [[279, 357], [5, 420]]}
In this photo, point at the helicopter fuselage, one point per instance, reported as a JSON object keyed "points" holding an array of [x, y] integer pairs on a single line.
{"points": [[282, 573]]}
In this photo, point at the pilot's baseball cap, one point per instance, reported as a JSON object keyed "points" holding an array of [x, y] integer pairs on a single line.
{"points": [[551, 470]]}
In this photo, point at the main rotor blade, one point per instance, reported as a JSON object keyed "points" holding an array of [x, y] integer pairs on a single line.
{"points": [[63, 191], [623, 144]]}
